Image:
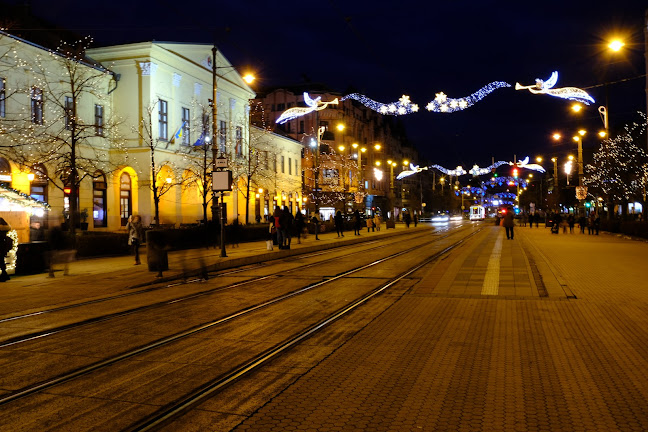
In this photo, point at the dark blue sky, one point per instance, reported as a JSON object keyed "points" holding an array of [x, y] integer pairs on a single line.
{"points": [[387, 49]]}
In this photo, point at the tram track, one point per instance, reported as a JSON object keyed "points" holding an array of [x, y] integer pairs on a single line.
{"points": [[106, 317], [71, 375]]}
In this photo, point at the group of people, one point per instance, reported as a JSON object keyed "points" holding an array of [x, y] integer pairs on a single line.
{"points": [[530, 219], [591, 222], [283, 226]]}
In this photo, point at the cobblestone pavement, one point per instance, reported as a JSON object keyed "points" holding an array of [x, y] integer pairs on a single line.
{"points": [[541, 333]]}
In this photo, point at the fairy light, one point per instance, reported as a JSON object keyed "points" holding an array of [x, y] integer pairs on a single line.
{"points": [[546, 87], [402, 107], [443, 104]]}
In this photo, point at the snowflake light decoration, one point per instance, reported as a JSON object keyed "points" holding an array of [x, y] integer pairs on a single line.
{"points": [[443, 104]]}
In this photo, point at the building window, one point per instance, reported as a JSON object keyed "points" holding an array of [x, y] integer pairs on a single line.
{"points": [[283, 165], [222, 137], [301, 126], [239, 140], [99, 120], [281, 107], [37, 105], [68, 108], [3, 96], [5, 173], [38, 186], [99, 200], [287, 125], [296, 170], [163, 119], [289, 166], [186, 126], [125, 198]]}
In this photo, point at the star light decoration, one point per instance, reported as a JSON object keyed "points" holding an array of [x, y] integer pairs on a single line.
{"points": [[443, 104], [403, 106]]}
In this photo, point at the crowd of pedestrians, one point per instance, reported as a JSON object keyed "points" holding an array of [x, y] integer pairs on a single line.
{"points": [[283, 226]]}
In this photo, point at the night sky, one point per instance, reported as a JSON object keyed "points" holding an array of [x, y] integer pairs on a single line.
{"points": [[385, 49]]}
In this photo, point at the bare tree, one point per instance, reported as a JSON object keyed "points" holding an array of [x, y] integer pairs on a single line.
{"points": [[51, 130], [198, 158], [159, 184]]}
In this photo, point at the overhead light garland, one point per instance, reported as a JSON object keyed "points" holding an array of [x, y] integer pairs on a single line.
{"points": [[443, 104], [313, 105], [475, 170], [546, 87], [401, 107]]}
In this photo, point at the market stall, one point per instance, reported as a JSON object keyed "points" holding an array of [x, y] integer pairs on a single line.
{"points": [[17, 208]]}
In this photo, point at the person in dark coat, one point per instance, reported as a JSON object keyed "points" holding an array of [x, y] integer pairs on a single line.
{"points": [[339, 223], [508, 222], [357, 222], [300, 224], [6, 244], [286, 225]]}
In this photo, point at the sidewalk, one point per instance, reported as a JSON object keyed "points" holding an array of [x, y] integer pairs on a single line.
{"points": [[447, 357]]}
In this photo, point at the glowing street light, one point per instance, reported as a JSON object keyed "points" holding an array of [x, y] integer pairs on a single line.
{"points": [[616, 45], [248, 78]]}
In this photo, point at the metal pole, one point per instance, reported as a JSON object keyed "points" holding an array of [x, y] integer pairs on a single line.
{"points": [[216, 208], [317, 150]]}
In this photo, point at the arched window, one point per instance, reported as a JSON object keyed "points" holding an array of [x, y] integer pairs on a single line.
{"points": [[5, 173], [125, 198], [99, 200]]}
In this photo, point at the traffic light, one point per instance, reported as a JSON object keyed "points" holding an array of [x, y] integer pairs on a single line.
{"points": [[515, 172]]}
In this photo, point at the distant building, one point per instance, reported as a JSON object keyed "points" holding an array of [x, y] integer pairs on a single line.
{"points": [[352, 165]]}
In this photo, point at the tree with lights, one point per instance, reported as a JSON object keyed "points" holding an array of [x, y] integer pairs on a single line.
{"points": [[161, 180], [52, 127], [619, 173], [199, 164]]}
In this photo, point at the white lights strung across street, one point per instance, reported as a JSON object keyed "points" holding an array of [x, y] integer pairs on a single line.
{"points": [[475, 170], [546, 87], [401, 107], [413, 170], [443, 104], [313, 105]]}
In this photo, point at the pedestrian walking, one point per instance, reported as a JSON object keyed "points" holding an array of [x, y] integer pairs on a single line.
{"points": [[590, 224], [339, 223], [135, 235], [357, 222], [316, 222], [272, 234], [299, 225], [525, 218], [60, 251], [508, 223], [408, 219], [277, 223], [377, 221], [582, 223], [286, 226], [531, 218], [370, 224], [415, 220], [6, 244], [571, 221], [597, 223]]}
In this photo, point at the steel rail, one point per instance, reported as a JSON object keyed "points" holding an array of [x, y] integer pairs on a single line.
{"points": [[27, 391]]}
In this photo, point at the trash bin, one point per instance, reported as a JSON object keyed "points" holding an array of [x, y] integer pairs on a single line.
{"points": [[156, 251]]}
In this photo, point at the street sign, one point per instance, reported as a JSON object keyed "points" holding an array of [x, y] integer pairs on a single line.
{"points": [[221, 181], [221, 162]]}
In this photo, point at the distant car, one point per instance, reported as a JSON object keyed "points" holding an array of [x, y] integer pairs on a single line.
{"points": [[455, 218], [440, 218]]}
